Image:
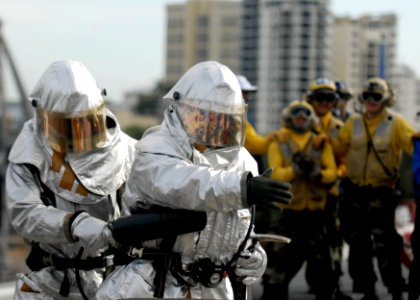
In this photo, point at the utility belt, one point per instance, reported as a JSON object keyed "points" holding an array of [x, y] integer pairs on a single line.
{"points": [[163, 259], [39, 259], [203, 271], [382, 191]]}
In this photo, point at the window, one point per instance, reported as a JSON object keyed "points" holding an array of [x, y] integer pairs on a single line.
{"points": [[202, 37], [201, 54], [202, 21]]}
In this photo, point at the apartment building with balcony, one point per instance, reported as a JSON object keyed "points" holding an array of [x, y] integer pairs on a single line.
{"points": [[293, 49], [364, 47], [200, 30]]}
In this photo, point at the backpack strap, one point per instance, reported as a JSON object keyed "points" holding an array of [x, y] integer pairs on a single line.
{"points": [[47, 196]]}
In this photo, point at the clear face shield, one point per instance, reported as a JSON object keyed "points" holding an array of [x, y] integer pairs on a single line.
{"points": [[211, 126], [74, 133]]}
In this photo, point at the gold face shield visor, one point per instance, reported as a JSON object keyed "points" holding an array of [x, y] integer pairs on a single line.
{"points": [[213, 129], [76, 133]]}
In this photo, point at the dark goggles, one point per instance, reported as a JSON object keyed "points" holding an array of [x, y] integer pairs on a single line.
{"points": [[375, 97], [324, 97], [344, 96], [300, 111]]}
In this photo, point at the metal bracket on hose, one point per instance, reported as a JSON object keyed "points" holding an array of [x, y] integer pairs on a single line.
{"points": [[267, 237]]}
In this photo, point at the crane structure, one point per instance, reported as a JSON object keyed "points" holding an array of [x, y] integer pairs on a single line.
{"points": [[7, 136], [6, 60]]}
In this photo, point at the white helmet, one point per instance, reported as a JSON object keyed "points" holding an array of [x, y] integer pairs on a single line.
{"points": [[245, 85], [210, 105]]}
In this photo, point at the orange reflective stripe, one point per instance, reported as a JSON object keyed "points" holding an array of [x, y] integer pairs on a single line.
{"points": [[82, 190], [27, 289], [57, 161], [68, 178]]}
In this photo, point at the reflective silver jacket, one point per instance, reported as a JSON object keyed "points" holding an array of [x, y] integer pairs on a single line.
{"points": [[169, 172], [37, 222]]}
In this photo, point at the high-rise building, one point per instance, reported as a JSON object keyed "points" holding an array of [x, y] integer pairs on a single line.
{"points": [[379, 50], [280, 46], [285, 45], [201, 30], [346, 61], [364, 47], [407, 89], [249, 50]]}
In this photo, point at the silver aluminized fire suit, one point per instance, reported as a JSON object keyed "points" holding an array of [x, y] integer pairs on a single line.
{"points": [[84, 181], [169, 171]]}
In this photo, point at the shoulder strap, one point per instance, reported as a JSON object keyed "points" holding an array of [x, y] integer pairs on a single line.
{"points": [[370, 145], [120, 192], [47, 196], [308, 142]]}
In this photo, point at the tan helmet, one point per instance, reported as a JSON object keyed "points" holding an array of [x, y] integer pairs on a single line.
{"points": [[322, 89], [299, 108], [378, 90], [343, 91]]}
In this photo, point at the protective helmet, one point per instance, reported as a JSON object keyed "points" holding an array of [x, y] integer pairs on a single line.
{"points": [[245, 85], [343, 92], [210, 106], [70, 110], [299, 109], [377, 90], [322, 89]]}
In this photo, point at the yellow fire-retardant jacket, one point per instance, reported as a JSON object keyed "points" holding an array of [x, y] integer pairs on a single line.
{"points": [[307, 193], [331, 126], [255, 143], [390, 133]]}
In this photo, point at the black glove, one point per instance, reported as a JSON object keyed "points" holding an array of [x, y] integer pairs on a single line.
{"points": [[261, 190], [304, 163], [297, 170], [304, 166], [315, 173]]}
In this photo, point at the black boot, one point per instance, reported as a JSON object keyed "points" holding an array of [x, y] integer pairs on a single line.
{"points": [[339, 295], [370, 296], [411, 296], [397, 296], [311, 290], [324, 296], [324, 293], [275, 291]]}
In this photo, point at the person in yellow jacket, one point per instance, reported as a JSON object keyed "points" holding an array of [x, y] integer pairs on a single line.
{"points": [[306, 160], [344, 97], [255, 143], [373, 143], [323, 96]]}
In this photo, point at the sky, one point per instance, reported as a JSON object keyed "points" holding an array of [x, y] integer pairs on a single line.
{"points": [[122, 42]]}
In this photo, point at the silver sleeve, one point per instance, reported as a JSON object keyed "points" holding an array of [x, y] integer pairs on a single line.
{"points": [[173, 182], [28, 214]]}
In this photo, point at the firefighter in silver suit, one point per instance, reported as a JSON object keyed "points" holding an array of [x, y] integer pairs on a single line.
{"points": [[195, 160], [66, 170]]}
